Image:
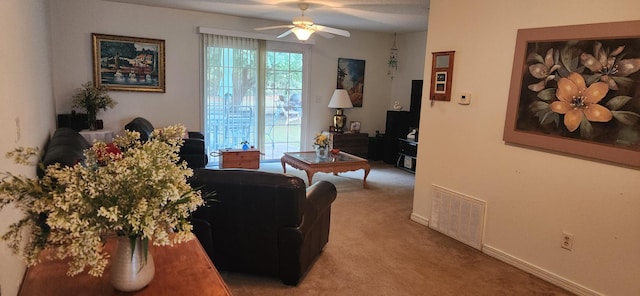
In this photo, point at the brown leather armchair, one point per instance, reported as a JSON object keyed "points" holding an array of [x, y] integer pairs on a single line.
{"points": [[264, 223]]}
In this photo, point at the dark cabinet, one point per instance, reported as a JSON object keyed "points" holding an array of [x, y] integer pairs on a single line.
{"points": [[397, 127], [352, 143]]}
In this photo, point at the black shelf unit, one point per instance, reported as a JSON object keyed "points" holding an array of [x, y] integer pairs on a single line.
{"points": [[407, 155]]}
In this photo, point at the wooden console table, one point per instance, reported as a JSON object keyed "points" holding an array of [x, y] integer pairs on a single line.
{"points": [[184, 269]]}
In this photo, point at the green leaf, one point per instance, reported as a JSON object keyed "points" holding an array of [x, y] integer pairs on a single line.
{"points": [[549, 117], [589, 79], [622, 82], [617, 102], [538, 105], [626, 117], [548, 94], [586, 129], [145, 248], [566, 57]]}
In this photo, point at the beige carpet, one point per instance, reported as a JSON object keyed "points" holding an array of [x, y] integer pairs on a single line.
{"points": [[375, 249]]}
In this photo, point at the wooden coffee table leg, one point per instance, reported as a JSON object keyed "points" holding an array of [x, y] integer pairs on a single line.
{"points": [[364, 181], [284, 166], [310, 175]]}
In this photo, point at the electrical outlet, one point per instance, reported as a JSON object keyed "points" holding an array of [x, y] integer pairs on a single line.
{"points": [[567, 241]]}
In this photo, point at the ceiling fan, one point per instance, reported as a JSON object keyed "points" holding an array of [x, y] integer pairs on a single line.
{"points": [[303, 27]]}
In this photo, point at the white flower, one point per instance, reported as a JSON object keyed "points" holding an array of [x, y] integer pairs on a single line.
{"points": [[131, 188]]}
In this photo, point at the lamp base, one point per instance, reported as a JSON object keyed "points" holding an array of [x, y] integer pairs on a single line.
{"points": [[339, 121]]}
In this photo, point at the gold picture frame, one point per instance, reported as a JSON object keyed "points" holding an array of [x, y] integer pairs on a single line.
{"points": [[576, 90], [124, 63]]}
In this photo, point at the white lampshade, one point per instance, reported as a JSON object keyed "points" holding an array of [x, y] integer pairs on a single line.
{"points": [[302, 34], [340, 100]]}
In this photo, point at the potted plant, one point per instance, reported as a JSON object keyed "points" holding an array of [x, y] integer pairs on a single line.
{"points": [[92, 99]]}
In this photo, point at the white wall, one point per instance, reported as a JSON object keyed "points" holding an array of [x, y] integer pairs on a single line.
{"points": [[411, 49], [26, 104], [73, 21], [532, 195]]}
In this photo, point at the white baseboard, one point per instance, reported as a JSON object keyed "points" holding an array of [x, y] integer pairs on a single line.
{"points": [[419, 219], [539, 272]]}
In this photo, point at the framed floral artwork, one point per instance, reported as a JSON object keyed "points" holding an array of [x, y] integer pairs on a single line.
{"points": [[128, 63], [576, 90]]}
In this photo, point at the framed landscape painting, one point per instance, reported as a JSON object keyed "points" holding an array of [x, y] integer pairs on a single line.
{"points": [[576, 90], [128, 63]]}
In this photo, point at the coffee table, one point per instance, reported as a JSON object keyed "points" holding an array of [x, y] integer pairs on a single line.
{"points": [[334, 163]]}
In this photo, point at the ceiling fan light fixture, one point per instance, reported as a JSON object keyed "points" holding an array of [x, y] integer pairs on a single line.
{"points": [[302, 21], [301, 33]]}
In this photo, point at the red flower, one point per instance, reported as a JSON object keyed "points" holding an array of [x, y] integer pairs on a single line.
{"points": [[109, 151]]}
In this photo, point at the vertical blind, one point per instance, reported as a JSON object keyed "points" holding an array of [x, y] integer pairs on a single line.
{"points": [[230, 91]]}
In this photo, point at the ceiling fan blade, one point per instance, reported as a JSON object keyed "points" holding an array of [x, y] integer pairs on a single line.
{"points": [[285, 33], [274, 27], [335, 31], [324, 34]]}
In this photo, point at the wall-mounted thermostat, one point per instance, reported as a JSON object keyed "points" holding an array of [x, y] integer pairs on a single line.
{"points": [[465, 98]]}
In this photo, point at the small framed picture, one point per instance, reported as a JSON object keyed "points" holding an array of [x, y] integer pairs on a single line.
{"points": [[355, 126]]}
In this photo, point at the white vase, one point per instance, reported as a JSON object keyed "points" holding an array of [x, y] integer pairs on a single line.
{"points": [[131, 272]]}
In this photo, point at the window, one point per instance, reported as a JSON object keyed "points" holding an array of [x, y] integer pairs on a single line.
{"points": [[283, 94], [242, 105]]}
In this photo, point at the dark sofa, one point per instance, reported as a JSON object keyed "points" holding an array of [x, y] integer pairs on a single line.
{"points": [[192, 150], [66, 146], [264, 223]]}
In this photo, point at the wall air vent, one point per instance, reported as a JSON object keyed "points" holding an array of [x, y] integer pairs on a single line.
{"points": [[458, 216]]}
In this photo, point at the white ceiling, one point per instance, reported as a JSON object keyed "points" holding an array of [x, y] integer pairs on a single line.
{"points": [[401, 16]]}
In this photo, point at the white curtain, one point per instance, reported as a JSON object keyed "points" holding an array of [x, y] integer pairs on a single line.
{"points": [[230, 91]]}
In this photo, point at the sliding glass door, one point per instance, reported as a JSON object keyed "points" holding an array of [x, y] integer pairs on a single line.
{"points": [[283, 103], [253, 92]]}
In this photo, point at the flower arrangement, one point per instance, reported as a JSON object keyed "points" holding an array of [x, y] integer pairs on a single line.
{"points": [[585, 90], [321, 141], [92, 99], [131, 188]]}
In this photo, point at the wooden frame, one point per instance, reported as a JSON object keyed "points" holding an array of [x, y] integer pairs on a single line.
{"points": [[441, 75], [128, 63], [562, 98]]}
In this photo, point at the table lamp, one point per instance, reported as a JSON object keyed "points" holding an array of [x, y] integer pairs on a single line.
{"points": [[340, 100]]}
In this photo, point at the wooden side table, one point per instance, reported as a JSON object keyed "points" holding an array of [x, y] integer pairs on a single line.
{"points": [[184, 269], [238, 158]]}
